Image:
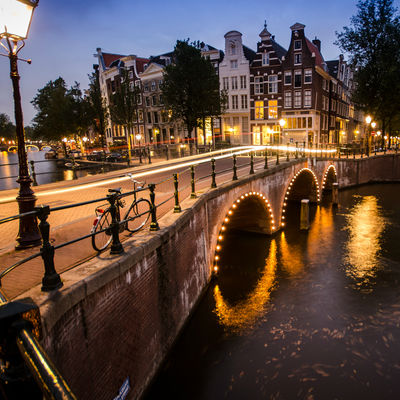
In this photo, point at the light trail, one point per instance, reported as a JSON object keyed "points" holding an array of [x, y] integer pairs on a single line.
{"points": [[231, 151]]}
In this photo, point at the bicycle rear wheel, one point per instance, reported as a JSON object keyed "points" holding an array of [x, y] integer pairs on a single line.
{"points": [[103, 239], [138, 215]]}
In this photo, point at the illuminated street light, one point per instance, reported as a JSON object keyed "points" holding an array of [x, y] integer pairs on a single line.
{"points": [[282, 123], [139, 138], [368, 120], [15, 20]]}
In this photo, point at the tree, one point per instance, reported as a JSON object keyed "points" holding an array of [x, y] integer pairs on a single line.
{"points": [[191, 88], [124, 105], [373, 42], [98, 104], [7, 128]]}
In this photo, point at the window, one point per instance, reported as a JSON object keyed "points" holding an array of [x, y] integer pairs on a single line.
{"points": [[244, 101], [297, 98], [288, 99], [139, 99], [233, 48], [258, 85], [153, 86], [130, 75], [160, 99], [307, 98], [153, 100], [297, 44], [234, 64], [288, 77], [243, 84], [297, 79], [234, 82], [225, 82], [113, 86], [156, 117], [265, 58], [273, 109], [147, 101], [307, 75], [259, 109], [160, 82], [333, 105], [297, 59], [131, 86], [235, 102], [273, 84], [146, 87], [245, 124], [149, 117]]}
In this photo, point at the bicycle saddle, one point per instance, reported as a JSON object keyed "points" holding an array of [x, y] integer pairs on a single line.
{"points": [[116, 190]]}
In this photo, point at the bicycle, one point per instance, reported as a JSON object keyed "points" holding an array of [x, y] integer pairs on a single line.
{"points": [[138, 212]]}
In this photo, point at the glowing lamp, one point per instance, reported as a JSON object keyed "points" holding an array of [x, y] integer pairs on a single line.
{"points": [[138, 136], [368, 119], [16, 17], [282, 122], [373, 124]]}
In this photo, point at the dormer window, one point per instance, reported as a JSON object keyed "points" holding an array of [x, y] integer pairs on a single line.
{"points": [[265, 58], [297, 59], [233, 48], [297, 44]]}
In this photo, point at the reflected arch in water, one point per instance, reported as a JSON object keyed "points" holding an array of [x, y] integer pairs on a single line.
{"points": [[251, 212], [246, 312], [303, 185]]}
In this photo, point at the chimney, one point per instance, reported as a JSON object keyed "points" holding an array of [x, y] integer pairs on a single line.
{"points": [[317, 43]]}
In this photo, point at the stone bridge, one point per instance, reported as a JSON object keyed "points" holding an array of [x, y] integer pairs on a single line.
{"points": [[117, 316]]}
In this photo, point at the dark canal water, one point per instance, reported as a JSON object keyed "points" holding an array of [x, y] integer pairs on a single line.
{"points": [[301, 315], [46, 170]]}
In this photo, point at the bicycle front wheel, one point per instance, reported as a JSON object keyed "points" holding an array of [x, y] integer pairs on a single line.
{"points": [[101, 240], [138, 215]]}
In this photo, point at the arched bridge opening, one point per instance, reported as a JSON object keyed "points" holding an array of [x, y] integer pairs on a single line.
{"points": [[329, 178], [303, 186]]}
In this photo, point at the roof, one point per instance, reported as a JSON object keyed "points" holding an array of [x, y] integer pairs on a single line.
{"points": [[279, 50], [140, 63], [249, 53], [333, 67], [110, 58], [319, 60]]}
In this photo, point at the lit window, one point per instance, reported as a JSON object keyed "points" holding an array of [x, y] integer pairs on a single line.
{"points": [[273, 84], [273, 109], [259, 109], [258, 85]]}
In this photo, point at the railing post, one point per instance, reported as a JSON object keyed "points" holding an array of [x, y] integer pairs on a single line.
{"points": [[296, 155], [51, 280], [251, 163], [304, 149], [266, 159], [213, 182], [287, 152], [116, 245], [277, 157], [192, 181], [234, 178], [167, 152], [154, 224], [177, 207], [34, 183]]}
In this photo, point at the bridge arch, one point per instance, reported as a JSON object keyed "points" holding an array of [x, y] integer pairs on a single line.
{"points": [[330, 177], [251, 212], [303, 185]]}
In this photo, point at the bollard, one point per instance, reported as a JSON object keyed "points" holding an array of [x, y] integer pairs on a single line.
{"points": [[167, 152], [33, 173], [234, 178], [339, 152], [277, 157], [384, 149], [177, 207], [304, 149], [251, 163], [192, 181], [51, 280], [149, 155], [361, 151], [335, 193], [154, 224], [213, 182], [116, 245], [305, 215], [266, 159]]}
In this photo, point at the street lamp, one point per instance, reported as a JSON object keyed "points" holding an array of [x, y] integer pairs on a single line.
{"points": [[368, 120], [139, 138], [282, 123], [15, 20]]}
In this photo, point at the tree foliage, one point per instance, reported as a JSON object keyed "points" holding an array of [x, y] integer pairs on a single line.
{"points": [[7, 128], [191, 87], [373, 43]]}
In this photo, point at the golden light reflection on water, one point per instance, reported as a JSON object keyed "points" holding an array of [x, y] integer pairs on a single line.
{"points": [[246, 312], [291, 256], [365, 225]]}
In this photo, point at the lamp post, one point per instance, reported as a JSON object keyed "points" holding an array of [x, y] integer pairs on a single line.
{"points": [[138, 138], [282, 123], [368, 120], [15, 20]]}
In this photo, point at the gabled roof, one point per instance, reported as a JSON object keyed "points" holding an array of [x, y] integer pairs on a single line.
{"points": [[140, 63], [110, 58], [319, 60], [249, 53], [279, 50]]}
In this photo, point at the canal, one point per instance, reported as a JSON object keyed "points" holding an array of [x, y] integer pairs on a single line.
{"points": [[300, 315], [47, 171]]}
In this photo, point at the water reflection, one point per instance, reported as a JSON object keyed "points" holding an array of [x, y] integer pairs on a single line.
{"points": [[245, 313], [365, 225], [291, 256]]}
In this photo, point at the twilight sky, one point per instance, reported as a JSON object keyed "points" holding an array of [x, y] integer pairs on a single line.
{"points": [[64, 35]]}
